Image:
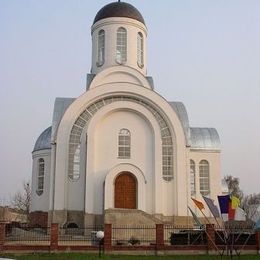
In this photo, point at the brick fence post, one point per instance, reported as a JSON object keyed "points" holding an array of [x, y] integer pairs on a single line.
{"points": [[210, 231], [257, 238], [54, 236], [108, 236], [159, 236], [2, 236]]}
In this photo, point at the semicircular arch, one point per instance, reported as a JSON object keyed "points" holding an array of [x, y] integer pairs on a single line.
{"points": [[167, 137], [118, 75]]}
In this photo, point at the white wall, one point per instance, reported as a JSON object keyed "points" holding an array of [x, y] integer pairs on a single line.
{"points": [[41, 202], [103, 155], [213, 158], [168, 198]]}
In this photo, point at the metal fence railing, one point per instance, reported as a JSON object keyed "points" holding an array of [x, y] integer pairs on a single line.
{"points": [[79, 236], [27, 235], [235, 236], [180, 235], [133, 235]]}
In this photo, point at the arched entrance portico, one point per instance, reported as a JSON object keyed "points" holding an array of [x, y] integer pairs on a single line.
{"points": [[140, 185], [125, 194]]}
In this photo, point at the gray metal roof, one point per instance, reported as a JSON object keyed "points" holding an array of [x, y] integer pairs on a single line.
{"points": [[204, 138], [43, 141], [60, 106], [182, 114], [196, 137], [46, 137]]}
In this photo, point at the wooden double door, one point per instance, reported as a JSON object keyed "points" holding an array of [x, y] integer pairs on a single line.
{"points": [[125, 191]]}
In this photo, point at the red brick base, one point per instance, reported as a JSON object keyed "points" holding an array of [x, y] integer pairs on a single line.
{"points": [[54, 236], [38, 219], [210, 231], [159, 236], [108, 236], [257, 238], [2, 236]]}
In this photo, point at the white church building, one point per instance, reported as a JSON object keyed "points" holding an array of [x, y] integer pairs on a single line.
{"points": [[120, 147]]}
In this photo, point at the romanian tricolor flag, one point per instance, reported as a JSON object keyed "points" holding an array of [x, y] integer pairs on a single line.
{"points": [[228, 205], [223, 202]]}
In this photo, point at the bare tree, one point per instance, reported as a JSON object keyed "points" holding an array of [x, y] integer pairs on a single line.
{"points": [[233, 186], [22, 199], [3, 201], [250, 203]]}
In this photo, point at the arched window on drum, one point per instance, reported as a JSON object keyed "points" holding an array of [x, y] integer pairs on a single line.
{"points": [[140, 50], [40, 177], [192, 178], [101, 48], [204, 177], [121, 45]]}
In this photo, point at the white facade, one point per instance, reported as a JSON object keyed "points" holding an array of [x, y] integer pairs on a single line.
{"points": [[81, 152]]}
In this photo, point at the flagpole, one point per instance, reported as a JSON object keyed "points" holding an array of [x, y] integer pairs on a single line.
{"points": [[213, 242], [200, 206]]}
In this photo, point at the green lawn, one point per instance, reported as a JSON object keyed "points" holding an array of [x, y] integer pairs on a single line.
{"points": [[77, 256]]}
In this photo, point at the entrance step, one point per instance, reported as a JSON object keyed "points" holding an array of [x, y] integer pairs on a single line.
{"points": [[138, 217], [130, 217]]}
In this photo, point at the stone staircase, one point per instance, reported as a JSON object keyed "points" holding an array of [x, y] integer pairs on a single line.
{"points": [[131, 217], [123, 217]]}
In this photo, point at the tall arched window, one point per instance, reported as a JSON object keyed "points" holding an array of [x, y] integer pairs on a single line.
{"points": [[204, 177], [124, 144], [40, 179], [121, 45], [192, 178], [101, 47], [140, 50], [75, 173]]}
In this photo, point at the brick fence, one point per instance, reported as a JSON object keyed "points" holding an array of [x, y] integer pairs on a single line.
{"points": [[2, 236], [54, 243]]}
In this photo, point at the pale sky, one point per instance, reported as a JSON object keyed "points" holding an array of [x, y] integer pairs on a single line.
{"points": [[204, 53]]}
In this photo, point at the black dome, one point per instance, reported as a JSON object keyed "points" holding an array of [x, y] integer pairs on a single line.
{"points": [[119, 9]]}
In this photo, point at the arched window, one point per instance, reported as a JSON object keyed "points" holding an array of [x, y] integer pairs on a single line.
{"points": [[72, 229], [75, 173], [192, 178], [40, 179], [72, 225], [101, 48], [124, 143], [140, 50], [204, 177], [121, 45], [167, 140]]}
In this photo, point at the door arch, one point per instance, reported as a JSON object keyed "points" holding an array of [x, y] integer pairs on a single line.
{"points": [[125, 191]]}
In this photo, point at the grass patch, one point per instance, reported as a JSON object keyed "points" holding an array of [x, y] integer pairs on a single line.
{"points": [[80, 256]]}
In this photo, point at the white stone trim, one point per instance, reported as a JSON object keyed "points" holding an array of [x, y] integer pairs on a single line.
{"points": [[132, 76]]}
